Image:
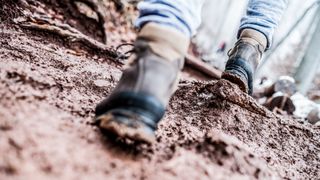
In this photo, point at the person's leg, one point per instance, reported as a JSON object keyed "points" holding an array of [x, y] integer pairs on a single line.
{"points": [[183, 15], [254, 37], [138, 102], [263, 16]]}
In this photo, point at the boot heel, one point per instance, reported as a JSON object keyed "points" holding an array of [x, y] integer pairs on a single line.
{"points": [[130, 115], [239, 71]]}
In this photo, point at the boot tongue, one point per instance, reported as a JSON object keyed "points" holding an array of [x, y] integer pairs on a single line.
{"points": [[165, 41]]}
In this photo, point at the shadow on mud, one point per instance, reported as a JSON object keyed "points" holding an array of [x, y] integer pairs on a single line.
{"points": [[125, 148]]}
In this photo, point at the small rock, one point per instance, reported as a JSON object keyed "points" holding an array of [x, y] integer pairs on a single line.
{"points": [[101, 83], [95, 57], [86, 10], [314, 116]]}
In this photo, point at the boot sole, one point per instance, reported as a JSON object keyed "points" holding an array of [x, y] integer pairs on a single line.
{"points": [[130, 115], [111, 124], [239, 72], [236, 79]]}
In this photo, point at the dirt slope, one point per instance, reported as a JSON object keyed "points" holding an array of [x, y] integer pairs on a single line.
{"points": [[211, 130]]}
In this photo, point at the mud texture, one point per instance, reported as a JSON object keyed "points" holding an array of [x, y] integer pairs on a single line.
{"points": [[211, 130]]}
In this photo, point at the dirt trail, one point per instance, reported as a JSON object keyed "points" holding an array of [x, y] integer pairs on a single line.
{"points": [[211, 130]]}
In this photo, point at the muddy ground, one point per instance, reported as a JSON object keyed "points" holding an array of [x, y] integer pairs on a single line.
{"points": [[48, 91]]}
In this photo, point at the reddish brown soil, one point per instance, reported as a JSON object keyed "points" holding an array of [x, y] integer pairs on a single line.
{"points": [[211, 130]]}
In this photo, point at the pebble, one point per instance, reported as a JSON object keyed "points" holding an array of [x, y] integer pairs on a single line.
{"points": [[314, 116], [101, 83]]}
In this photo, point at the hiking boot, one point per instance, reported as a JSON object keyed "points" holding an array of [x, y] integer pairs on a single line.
{"points": [[244, 59], [138, 102]]}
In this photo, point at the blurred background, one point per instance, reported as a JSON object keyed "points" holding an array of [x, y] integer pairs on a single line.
{"points": [[292, 54]]}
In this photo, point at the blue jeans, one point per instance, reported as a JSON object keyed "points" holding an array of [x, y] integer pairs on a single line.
{"points": [[185, 15]]}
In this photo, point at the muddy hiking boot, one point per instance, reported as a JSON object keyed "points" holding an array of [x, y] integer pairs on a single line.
{"points": [[138, 102], [244, 59]]}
